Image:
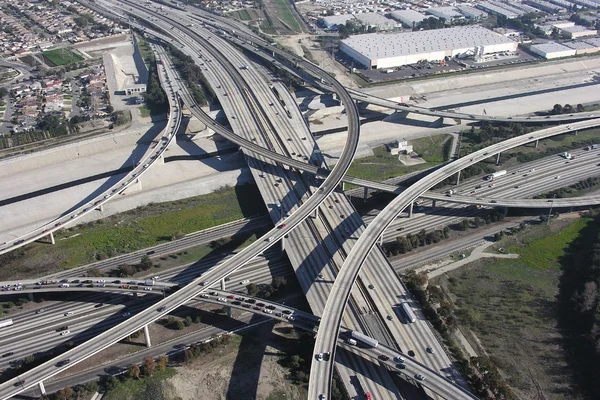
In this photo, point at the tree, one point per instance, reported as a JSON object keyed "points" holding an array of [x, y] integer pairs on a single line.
{"points": [[278, 282], [111, 383], [133, 371], [149, 365], [64, 394], [557, 109], [296, 361], [109, 109], [187, 321], [252, 289], [163, 362], [146, 263], [580, 108], [179, 325]]}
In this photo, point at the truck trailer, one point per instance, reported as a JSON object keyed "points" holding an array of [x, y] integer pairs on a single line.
{"points": [[495, 175], [6, 322], [149, 282], [364, 339]]}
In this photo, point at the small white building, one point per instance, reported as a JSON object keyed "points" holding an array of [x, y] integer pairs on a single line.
{"points": [[552, 50], [399, 147]]}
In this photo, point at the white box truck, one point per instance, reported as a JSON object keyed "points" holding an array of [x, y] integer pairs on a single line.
{"points": [[495, 175]]}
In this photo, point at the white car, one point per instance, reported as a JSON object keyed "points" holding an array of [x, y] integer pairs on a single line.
{"points": [[222, 299], [68, 313], [420, 377], [65, 333], [320, 357], [399, 360], [245, 282]]}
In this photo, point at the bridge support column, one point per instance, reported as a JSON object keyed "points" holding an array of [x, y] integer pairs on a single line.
{"points": [[343, 186], [575, 133], [315, 213], [223, 284], [100, 208], [505, 210], [30, 295], [283, 243], [410, 210], [381, 240], [228, 311], [42, 388], [498, 159], [458, 177], [433, 203], [537, 142], [52, 238], [147, 336], [366, 194]]}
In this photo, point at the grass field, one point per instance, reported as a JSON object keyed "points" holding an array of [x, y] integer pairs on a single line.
{"points": [[382, 165], [145, 50], [61, 56], [132, 230], [243, 15], [510, 306], [282, 11]]}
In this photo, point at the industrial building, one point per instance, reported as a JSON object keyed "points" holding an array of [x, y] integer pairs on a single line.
{"points": [[409, 18], [335, 21], [583, 47], [449, 14], [552, 50], [493, 9], [375, 20], [578, 31], [546, 6], [379, 51], [470, 12]]}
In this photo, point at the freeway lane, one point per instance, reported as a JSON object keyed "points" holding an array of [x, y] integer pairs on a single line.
{"points": [[321, 373]]}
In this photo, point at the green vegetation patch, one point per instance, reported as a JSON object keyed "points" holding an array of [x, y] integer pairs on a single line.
{"points": [[382, 165], [433, 148], [154, 387], [286, 12], [144, 111], [146, 51], [243, 15], [61, 56], [545, 252], [510, 305], [133, 230]]}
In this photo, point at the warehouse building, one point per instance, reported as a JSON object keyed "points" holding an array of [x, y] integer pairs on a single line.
{"points": [[378, 21], [447, 13], [379, 51], [471, 13], [583, 47], [546, 6], [552, 50], [335, 21], [495, 10], [578, 31], [409, 18]]}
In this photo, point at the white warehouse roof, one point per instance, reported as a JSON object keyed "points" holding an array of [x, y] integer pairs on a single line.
{"points": [[408, 17], [376, 46]]}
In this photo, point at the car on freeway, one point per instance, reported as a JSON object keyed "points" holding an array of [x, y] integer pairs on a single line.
{"points": [[65, 333], [68, 313], [231, 296], [282, 226], [266, 310], [41, 310], [63, 362], [320, 357], [245, 282], [10, 353], [126, 314], [222, 299], [389, 317], [383, 357], [430, 350], [420, 377]]}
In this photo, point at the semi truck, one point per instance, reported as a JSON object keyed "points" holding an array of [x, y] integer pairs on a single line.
{"points": [[6, 322], [364, 339], [495, 175], [408, 312]]}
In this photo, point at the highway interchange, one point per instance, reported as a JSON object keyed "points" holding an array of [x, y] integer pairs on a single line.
{"points": [[347, 228]]}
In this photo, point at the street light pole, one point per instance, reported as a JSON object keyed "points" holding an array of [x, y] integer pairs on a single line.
{"points": [[550, 212]]}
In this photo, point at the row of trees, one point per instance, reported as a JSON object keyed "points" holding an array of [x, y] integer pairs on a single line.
{"points": [[354, 28], [149, 366], [193, 76], [266, 291], [566, 109], [571, 190], [155, 96], [403, 244]]}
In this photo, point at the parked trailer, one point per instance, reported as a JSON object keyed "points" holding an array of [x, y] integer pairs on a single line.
{"points": [[408, 312], [364, 339], [495, 175], [6, 322]]}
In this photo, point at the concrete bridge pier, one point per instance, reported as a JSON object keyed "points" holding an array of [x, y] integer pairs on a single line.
{"points": [[537, 142], [228, 311], [283, 243], [498, 159], [365, 194], [315, 213], [410, 210], [223, 284], [381, 240], [458, 177], [343, 186], [42, 388], [433, 203], [147, 336], [52, 241]]}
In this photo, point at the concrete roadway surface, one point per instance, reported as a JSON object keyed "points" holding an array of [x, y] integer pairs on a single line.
{"points": [[283, 313], [93, 346], [321, 373], [130, 178]]}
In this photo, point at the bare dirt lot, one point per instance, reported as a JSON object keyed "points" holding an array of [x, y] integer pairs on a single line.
{"points": [[247, 368]]}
